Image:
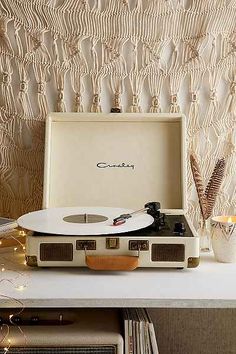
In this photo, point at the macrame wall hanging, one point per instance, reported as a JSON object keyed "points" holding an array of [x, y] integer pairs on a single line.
{"points": [[134, 55]]}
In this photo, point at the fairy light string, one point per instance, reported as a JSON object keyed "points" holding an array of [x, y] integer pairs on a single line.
{"points": [[10, 274]]}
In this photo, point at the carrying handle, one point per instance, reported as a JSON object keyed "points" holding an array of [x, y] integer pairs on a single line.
{"points": [[112, 262]]}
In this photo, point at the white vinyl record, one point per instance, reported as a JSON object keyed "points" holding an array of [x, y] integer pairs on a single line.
{"points": [[71, 221]]}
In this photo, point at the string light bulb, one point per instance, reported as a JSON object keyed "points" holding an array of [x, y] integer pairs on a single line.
{"points": [[6, 349], [16, 284]]}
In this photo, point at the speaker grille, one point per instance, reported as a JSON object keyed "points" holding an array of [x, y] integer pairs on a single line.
{"points": [[162, 252], [56, 251], [106, 349]]}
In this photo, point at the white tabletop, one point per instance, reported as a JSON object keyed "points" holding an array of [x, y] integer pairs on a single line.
{"points": [[211, 285]]}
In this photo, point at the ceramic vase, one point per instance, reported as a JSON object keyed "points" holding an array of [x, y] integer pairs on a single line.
{"points": [[223, 237]]}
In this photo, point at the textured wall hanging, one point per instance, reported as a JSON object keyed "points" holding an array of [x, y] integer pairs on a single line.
{"points": [[78, 55]]}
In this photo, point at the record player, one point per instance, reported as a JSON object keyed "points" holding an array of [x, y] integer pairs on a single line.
{"points": [[114, 194]]}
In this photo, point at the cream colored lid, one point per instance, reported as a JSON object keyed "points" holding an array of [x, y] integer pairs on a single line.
{"points": [[115, 160]]}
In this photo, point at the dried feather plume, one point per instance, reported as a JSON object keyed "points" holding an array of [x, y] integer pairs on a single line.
{"points": [[207, 198]]}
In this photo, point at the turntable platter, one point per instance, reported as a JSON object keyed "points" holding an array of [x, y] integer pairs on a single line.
{"points": [[82, 221]]}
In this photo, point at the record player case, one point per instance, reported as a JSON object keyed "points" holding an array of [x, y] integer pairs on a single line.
{"points": [[116, 160]]}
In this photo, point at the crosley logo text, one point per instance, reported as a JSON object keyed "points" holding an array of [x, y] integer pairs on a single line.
{"points": [[120, 165]]}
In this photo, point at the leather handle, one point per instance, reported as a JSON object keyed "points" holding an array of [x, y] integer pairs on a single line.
{"points": [[112, 262]]}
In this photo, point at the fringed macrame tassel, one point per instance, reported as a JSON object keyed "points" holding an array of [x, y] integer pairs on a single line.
{"points": [[97, 74], [214, 78], [176, 76], [96, 107], [78, 103], [7, 96], [116, 69], [37, 49], [155, 107], [211, 111], [7, 93], [137, 75], [42, 101], [116, 108], [174, 106], [59, 71], [60, 104], [61, 107], [78, 70], [195, 81], [135, 108], [24, 100]]}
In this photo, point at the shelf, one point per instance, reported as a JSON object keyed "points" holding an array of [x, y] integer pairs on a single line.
{"points": [[211, 285]]}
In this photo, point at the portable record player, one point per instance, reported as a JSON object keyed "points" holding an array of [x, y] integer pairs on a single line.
{"points": [[99, 169]]}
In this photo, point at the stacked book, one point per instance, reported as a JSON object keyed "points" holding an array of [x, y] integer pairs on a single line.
{"points": [[7, 224], [9, 235], [139, 332]]}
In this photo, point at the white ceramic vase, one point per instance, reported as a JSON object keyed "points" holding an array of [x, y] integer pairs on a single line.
{"points": [[223, 238]]}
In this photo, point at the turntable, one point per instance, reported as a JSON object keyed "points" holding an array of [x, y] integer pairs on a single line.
{"points": [[106, 162]]}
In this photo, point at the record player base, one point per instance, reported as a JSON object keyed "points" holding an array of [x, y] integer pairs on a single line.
{"points": [[112, 253]]}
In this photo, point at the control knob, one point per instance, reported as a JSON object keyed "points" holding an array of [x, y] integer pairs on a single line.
{"points": [[179, 228]]}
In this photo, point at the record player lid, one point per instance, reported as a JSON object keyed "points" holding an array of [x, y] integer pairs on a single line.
{"points": [[115, 160]]}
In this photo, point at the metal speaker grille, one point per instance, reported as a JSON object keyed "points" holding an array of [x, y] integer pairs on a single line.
{"points": [[109, 349], [56, 251], [162, 252]]}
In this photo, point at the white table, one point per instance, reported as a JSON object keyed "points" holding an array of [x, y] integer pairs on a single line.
{"points": [[211, 285]]}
